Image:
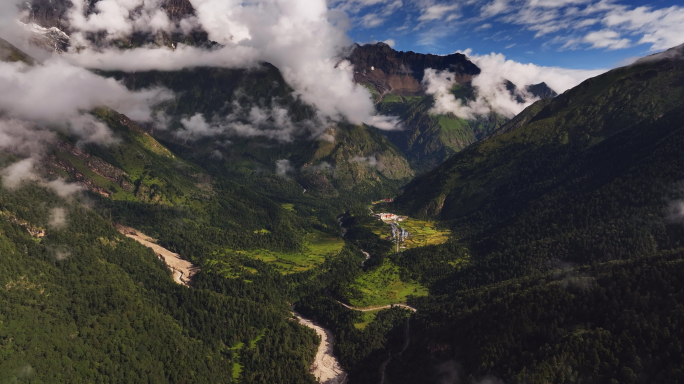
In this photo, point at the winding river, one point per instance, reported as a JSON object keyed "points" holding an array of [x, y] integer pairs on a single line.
{"points": [[325, 367]]}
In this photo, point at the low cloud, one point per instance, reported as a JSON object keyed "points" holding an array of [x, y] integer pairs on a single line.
{"points": [[18, 173], [386, 123], [270, 122], [283, 167], [58, 218], [491, 92], [371, 161], [58, 92], [38, 102], [323, 166], [25, 171], [299, 37]]}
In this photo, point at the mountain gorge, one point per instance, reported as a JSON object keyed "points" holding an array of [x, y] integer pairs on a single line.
{"points": [[427, 244]]}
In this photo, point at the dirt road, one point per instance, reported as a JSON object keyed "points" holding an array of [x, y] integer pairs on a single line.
{"points": [[325, 367], [375, 308], [182, 270]]}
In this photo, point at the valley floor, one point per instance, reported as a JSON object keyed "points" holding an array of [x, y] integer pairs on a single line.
{"points": [[326, 368]]}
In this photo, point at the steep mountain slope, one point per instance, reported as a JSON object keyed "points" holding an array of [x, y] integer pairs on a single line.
{"points": [[81, 294], [343, 158], [395, 80], [86, 303], [569, 241], [578, 120], [387, 70], [10, 53]]}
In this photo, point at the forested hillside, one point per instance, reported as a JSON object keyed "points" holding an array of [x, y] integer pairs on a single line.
{"points": [[543, 248], [345, 158], [568, 241], [84, 303]]}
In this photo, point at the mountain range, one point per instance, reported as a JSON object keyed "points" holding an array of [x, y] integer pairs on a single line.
{"points": [[546, 247]]}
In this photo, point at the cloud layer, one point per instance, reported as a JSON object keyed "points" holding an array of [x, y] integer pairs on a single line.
{"points": [[299, 37], [492, 94], [39, 101]]}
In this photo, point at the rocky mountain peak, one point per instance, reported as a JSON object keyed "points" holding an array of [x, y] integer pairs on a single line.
{"points": [[390, 70]]}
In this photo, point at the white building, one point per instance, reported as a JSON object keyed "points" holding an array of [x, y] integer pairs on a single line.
{"points": [[386, 216]]}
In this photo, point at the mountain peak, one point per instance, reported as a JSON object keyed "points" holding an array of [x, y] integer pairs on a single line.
{"points": [[390, 70]]}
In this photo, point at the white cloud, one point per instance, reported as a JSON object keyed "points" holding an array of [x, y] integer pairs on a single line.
{"points": [[483, 27], [492, 94], [272, 123], [371, 20], [619, 26], [371, 161], [436, 12], [301, 38], [385, 123], [57, 218], [56, 91], [18, 173], [662, 28], [496, 7], [606, 39], [283, 167]]}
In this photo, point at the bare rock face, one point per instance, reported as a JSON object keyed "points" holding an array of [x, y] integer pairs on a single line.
{"points": [[402, 72], [47, 21]]}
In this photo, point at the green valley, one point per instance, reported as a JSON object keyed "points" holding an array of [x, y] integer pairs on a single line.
{"points": [[199, 192]]}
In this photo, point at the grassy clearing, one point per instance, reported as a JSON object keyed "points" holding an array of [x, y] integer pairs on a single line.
{"points": [[367, 318], [424, 233], [289, 207], [317, 246], [237, 367], [228, 267], [383, 286]]}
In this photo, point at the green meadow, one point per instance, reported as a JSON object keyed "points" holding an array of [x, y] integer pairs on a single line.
{"points": [[317, 246], [237, 367], [423, 233], [383, 286]]}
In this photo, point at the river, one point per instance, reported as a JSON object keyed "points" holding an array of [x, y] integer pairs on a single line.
{"points": [[325, 367]]}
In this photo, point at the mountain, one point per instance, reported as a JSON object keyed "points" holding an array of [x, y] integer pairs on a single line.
{"points": [[395, 80], [83, 301], [541, 91], [568, 241], [351, 158], [387, 70], [10, 53]]}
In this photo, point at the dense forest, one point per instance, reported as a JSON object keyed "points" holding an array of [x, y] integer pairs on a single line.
{"points": [[566, 263]]}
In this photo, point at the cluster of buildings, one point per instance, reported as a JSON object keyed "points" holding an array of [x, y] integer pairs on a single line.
{"points": [[388, 217]]}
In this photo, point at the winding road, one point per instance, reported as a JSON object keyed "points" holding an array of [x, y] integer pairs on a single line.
{"points": [[377, 307]]}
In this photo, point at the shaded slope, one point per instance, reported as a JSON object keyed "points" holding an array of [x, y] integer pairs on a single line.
{"points": [[576, 121], [569, 247], [337, 159]]}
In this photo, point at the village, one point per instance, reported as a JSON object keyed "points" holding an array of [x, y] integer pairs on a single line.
{"points": [[399, 234]]}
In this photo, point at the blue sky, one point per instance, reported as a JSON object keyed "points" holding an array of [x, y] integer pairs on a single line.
{"points": [[581, 34]]}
